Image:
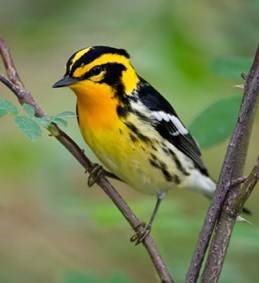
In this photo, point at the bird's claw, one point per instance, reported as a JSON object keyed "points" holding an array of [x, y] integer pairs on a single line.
{"points": [[94, 174], [142, 231]]}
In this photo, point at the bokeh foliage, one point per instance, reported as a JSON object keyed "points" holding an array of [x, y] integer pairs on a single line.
{"points": [[54, 229]]}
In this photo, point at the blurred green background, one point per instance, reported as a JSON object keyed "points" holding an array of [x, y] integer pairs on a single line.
{"points": [[55, 229]]}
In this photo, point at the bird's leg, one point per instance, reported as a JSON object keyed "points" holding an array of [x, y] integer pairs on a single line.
{"points": [[95, 174], [144, 229]]}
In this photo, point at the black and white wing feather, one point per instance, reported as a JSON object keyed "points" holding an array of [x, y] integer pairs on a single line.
{"points": [[168, 124]]}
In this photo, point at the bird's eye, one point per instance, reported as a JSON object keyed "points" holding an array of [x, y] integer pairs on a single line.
{"points": [[96, 70]]}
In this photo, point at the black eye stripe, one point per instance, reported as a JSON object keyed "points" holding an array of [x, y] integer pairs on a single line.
{"points": [[112, 72], [96, 70]]}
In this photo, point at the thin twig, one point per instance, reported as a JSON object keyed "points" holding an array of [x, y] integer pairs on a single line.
{"points": [[243, 76], [16, 86], [237, 181], [232, 166], [220, 242]]}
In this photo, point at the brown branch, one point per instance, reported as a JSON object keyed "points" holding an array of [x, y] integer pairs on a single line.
{"points": [[16, 86], [232, 167], [220, 242]]}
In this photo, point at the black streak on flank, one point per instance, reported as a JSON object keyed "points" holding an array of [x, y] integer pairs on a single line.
{"points": [[176, 160], [153, 147], [183, 143], [177, 179], [136, 131], [133, 138], [178, 163], [153, 157], [155, 162], [167, 176]]}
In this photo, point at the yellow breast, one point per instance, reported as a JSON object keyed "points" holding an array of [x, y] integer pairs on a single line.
{"points": [[100, 125], [112, 142]]}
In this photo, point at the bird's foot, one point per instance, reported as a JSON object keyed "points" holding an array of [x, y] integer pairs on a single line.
{"points": [[142, 231], [96, 172]]}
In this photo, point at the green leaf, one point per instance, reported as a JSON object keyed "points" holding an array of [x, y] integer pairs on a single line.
{"points": [[66, 115], [231, 67], [7, 107], [29, 127], [215, 124], [59, 121], [2, 112], [43, 121], [29, 109]]}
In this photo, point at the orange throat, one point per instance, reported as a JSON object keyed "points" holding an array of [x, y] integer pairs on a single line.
{"points": [[96, 106]]}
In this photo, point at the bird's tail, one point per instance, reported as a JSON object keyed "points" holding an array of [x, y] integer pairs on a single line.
{"points": [[209, 192], [205, 185]]}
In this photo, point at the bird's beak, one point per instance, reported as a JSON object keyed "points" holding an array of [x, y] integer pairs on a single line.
{"points": [[65, 81]]}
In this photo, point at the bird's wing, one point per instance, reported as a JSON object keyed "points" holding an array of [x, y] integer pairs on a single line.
{"points": [[167, 123]]}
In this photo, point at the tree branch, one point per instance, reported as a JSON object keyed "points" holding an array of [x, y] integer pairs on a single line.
{"points": [[15, 84], [231, 209], [232, 166]]}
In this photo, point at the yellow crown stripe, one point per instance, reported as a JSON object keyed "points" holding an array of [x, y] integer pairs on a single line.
{"points": [[78, 55], [129, 76], [103, 59]]}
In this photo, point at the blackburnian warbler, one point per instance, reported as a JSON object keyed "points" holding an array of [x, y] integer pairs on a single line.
{"points": [[131, 127]]}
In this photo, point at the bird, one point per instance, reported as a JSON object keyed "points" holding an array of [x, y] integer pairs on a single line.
{"points": [[132, 129]]}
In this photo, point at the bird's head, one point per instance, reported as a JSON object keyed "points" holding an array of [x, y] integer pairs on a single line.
{"points": [[99, 67]]}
